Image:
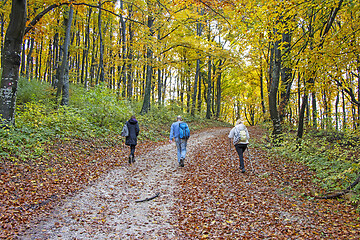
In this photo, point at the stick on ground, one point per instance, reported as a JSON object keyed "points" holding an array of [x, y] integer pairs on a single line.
{"points": [[148, 199]]}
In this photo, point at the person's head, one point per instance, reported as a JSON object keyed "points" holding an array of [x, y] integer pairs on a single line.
{"points": [[179, 118], [133, 117], [239, 121]]}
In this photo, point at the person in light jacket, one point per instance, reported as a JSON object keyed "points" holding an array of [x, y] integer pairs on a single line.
{"points": [[241, 145], [131, 140]]}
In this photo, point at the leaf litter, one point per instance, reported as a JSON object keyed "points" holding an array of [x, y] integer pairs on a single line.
{"points": [[93, 195]]}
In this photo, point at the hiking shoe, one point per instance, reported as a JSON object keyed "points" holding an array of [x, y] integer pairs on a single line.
{"points": [[181, 162], [133, 158], [130, 159], [243, 170]]}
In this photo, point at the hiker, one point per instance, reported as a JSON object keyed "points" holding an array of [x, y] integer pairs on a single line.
{"points": [[131, 139], [181, 132], [240, 136]]}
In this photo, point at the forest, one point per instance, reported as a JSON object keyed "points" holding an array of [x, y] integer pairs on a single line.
{"points": [[72, 72]]}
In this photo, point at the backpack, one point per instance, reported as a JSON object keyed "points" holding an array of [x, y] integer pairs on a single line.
{"points": [[125, 131], [239, 136], [184, 131]]}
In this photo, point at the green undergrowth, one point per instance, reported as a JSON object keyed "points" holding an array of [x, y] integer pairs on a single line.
{"points": [[333, 156], [95, 113]]}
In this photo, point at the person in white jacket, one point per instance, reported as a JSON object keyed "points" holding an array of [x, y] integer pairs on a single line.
{"points": [[240, 144]]}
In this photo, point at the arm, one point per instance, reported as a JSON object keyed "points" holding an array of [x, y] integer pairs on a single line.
{"points": [[171, 133], [247, 134], [137, 129], [231, 134]]}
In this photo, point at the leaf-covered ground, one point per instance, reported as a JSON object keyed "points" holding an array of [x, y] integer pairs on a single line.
{"points": [[91, 192]]}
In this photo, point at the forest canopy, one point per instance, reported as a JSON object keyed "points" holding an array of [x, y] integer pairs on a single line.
{"points": [[295, 63]]}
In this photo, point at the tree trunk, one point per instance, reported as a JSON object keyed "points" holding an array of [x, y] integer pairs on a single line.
{"points": [[10, 60], [149, 69], [101, 74], [336, 111], [314, 109], [123, 74], [196, 81], [344, 124], [130, 58], [63, 85], [56, 58], [2, 28], [286, 75], [209, 91], [300, 132], [358, 106], [197, 71], [262, 88], [218, 90], [83, 78], [274, 85], [29, 59]]}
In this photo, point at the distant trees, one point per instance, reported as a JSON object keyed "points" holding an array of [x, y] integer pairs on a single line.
{"points": [[294, 63]]}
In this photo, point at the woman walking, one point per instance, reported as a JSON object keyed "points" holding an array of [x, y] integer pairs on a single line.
{"points": [[131, 139], [241, 137]]}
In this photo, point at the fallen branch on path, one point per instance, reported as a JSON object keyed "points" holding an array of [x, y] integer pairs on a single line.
{"points": [[148, 199]]}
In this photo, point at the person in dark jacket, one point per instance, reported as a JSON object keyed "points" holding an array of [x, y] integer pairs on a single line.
{"points": [[131, 140]]}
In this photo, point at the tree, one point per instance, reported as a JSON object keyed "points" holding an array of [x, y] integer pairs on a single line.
{"points": [[10, 60], [149, 63], [63, 84]]}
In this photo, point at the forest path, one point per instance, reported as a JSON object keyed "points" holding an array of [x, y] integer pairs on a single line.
{"points": [[207, 199], [107, 209]]}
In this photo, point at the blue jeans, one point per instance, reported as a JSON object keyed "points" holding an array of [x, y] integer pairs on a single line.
{"points": [[181, 148]]}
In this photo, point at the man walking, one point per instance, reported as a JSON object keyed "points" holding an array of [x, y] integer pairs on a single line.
{"points": [[180, 132]]}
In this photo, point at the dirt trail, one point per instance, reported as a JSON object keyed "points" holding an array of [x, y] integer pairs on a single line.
{"points": [[207, 199], [107, 209]]}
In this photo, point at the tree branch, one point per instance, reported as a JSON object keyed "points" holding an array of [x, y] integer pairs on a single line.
{"points": [[51, 7], [215, 12]]}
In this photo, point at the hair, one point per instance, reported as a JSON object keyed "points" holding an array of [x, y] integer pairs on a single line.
{"points": [[239, 121], [133, 117], [179, 118]]}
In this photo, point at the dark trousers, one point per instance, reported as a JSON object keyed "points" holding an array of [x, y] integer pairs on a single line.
{"points": [[240, 149], [132, 149]]}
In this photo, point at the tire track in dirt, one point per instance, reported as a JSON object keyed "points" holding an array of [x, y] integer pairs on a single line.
{"points": [[107, 209]]}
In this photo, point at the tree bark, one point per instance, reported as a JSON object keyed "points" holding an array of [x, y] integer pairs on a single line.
{"points": [[197, 71], [10, 61], [262, 88], [29, 59], [123, 71], [286, 75], [63, 84], [274, 85], [130, 58], [209, 91], [101, 74], [149, 69], [218, 90], [83, 78], [300, 132]]}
